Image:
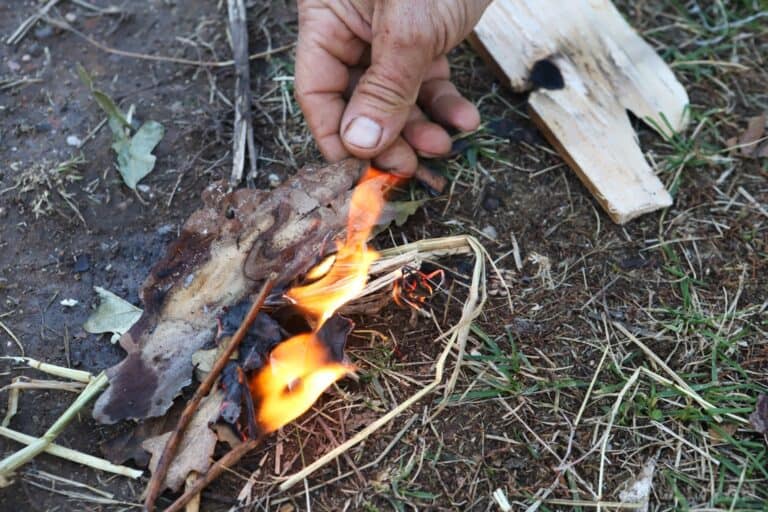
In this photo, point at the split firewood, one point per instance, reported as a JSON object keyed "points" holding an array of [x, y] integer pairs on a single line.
{"points": [[585, 67]]}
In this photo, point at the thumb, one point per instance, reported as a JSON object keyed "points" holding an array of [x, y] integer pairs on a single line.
{"points": [[382, 100]]}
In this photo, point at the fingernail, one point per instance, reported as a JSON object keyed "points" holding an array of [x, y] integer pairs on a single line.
{"points": [[363, 132]]}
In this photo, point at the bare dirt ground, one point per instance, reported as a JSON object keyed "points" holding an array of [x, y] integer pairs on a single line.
{"points": [[555, 405]]}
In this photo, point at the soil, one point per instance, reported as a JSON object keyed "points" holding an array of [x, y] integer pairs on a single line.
{"points": [[602, 272]]}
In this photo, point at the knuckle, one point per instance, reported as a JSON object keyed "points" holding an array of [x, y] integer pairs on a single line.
{"points": [[390, 86]]}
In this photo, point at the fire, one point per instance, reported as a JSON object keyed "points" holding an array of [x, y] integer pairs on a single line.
{"points": [[301, 368]]}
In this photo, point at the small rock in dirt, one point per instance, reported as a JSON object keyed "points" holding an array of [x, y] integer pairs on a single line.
{"points": [[490, 232], [274, 180], [74, 141], [3, 211], [144, 189], [632, 263], [491, 202], [82, 263], [35, 49], [70, 17], [69, 303], [26, 57], [44, 32]]}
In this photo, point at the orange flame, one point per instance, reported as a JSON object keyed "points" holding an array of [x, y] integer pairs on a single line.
{"points": [[301, 368], [299, 371]]}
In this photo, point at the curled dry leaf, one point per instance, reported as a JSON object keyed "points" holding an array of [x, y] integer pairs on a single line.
{"points": [[197, 444], [226, 249]]}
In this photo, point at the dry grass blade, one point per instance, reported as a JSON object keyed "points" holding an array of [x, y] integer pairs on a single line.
{"points": [[52, 369]]}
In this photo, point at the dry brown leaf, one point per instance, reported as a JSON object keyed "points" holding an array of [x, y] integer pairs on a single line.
{"points": [[750, 142], [127, 446], [196, 447]]}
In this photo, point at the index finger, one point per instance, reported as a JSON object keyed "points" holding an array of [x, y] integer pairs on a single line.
{"points": [[325, 50]]}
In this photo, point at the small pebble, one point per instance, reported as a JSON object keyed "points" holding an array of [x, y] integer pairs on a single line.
{"points": [[274, 180], [69, 303], [44, 32], [144, 189], [26, 57], [82, 263], [491, 202], [70, 17], [74, 140], [35, 49], [490, 232], [3, 211]]}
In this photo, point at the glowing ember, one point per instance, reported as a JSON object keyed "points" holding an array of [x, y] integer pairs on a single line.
{"points": [[301, 368]]}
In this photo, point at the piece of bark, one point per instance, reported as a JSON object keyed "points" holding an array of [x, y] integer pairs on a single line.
{"points": [[585, 67], [225, 250]]}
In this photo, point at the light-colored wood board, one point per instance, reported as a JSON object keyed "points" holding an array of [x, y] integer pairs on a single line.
{"points": [[607, 69]]}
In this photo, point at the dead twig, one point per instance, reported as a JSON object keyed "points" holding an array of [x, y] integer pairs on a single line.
{"points": [[171, 445], [162, 58], [242, 136]]}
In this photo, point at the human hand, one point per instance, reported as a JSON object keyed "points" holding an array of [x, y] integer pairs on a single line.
{"points": [[373, 81]]}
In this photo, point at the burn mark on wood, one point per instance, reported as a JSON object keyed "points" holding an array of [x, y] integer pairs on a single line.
{"points": [[546, 75]]}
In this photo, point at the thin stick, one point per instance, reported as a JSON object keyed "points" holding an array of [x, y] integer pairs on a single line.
{"points": [[243, 129], [161, 58], [73, 455], [172, 444], [230, 459], [13, 337], [18, 459]]}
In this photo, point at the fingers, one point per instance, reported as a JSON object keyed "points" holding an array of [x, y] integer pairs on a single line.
{"points": [[443, 102], [428, 139], [325, 49], [399, 158], [381, 103]]}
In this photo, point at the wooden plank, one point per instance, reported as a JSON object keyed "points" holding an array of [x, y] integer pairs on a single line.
{"points": [[605, 68]]}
